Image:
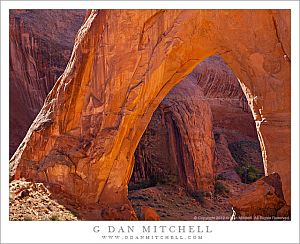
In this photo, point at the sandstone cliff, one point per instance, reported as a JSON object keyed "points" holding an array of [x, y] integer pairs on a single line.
{"points": [[233, 123], [124, 63], [41, 42], [208, 101], [178, 145]]}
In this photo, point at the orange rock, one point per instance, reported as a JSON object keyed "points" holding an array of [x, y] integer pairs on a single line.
{"points": [[41, 43], [170, 150], [285, 211], [124, 212], [148, 213], [262, 198], [123, 64], [208, 101]]}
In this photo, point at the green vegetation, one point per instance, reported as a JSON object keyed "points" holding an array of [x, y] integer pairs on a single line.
{"points": [[220, 189], [241, 152], [163, 179], [158, 179], [171, 179], [248, 173]]}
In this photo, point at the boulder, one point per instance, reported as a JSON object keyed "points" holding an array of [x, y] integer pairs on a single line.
{"points": [[125, 212], [148, 213], [262, 198]]}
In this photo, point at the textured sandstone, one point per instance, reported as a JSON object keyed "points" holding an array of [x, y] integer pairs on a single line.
{"points": [[233, 122], [41, 42], [224, 163], [262, 198], [123, 64], [222, 90], [149, 214], [125, 212], [211, 86], [179, 142]]}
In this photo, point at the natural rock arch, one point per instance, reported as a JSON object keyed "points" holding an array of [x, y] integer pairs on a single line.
{"points": [[202, 131], [123, 64], [182, 147]]}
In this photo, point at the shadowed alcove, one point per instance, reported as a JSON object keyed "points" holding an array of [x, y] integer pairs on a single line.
{"points": [[201, 140]]}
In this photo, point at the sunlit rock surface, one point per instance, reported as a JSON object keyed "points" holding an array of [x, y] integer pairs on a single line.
{"points": [[124, 63]]}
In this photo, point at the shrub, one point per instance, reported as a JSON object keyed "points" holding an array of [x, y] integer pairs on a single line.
{"points": [[248, 173], [252, 173], [198, 196], [220, 189], [172, 179], [241, 153], [162, 179], [154, 180], [220, 177]]}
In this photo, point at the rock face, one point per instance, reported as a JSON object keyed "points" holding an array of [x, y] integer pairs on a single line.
{"points": [[110, 213], [179, 145], [211, 86], [41, 43], [149, 214], [231, 113], [124, 63], [236, 142], [262, 198]]}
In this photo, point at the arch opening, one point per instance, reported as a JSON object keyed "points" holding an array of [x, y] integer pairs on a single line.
{"points": [[202, 142]]}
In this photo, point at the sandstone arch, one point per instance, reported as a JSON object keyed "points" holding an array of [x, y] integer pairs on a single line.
{"points": [[123, 64], [202, 131], [178, 144]]}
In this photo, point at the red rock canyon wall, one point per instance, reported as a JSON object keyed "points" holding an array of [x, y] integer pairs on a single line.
{"points": [[41, 42], [124, 63], [178, 146], [208, 102]]}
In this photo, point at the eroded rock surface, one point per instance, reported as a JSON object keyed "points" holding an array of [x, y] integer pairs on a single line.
{"points": [[211, 86], [148, 213], [124, 63], [41, 42], [263, 198], [234, 128], [179, 146]]}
